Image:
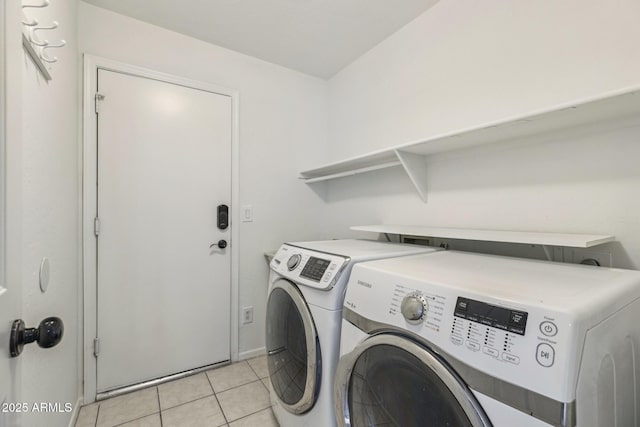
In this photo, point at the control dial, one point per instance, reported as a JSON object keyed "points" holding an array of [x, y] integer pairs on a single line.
{"points": [[414, 308], [293, 262]]}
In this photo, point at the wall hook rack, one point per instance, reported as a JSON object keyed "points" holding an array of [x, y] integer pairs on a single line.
{"points": [[34, 39], [47, 58], [35, 46]]}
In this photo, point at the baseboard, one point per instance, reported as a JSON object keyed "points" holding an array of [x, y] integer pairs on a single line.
{"points": [[252, 353], [76, 411]]}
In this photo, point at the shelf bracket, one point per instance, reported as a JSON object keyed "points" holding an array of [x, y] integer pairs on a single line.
{"points": [[416, 167], [547, 252]]}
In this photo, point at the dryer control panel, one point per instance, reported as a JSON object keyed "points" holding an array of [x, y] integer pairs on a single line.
{"points": [[309, 268]]}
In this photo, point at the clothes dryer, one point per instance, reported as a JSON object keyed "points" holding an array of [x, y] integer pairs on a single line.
{"points": [[304, 313]]}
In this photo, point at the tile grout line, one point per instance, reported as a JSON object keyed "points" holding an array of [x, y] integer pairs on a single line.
{"points": [[194, 400], [254, 371], [216, 397], [160, 410], [240, 385], [213, 393], [135, 419], [141, 417], [253, 413], [188, 401], [159, 406], [97, 415], [262, 383]]}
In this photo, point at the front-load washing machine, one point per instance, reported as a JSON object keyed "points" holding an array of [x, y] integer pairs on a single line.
{"points": [[461, 339], [304, 314]]}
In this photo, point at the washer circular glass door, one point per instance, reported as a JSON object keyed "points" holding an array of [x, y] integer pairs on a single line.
{"points": [[391, 380], [293, 351]]}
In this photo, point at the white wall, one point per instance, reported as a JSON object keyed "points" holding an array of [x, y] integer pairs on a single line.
{"points": [[283, 124], [464, 63], [50, 215]]}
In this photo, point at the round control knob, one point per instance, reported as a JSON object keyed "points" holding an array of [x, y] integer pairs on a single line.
{"points": [[414, 308], [293, 262]]}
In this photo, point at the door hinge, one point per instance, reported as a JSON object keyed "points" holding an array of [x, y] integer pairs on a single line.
{"points": [[96, 347], [98, 97], [96, 226]]}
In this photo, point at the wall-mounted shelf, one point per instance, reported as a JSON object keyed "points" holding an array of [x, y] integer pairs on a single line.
{"points": [[526, 237], [601, 110]]}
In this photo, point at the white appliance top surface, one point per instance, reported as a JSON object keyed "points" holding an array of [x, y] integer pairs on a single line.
{"points": [[362, 250], [565, 287]]}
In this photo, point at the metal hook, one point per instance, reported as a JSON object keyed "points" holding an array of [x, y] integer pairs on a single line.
{"points": [[45, 57], [33, 23], [33, 39], [45, 3]]}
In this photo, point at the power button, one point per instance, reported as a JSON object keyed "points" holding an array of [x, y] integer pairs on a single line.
{"points": [[548, 328]]}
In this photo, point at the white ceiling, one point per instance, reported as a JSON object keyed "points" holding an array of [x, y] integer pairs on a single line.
{"points": [[317, 37]]}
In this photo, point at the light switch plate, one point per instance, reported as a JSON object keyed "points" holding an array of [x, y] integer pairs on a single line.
{"points": [[247, 213]]}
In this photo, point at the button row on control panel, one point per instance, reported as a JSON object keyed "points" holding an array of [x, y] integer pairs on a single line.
{"points": [[486, 350], [545, 353], [314, 270]]}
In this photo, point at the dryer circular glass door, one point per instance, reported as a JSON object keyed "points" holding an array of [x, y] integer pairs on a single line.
{"points": [[391, 380], [293, 351]]}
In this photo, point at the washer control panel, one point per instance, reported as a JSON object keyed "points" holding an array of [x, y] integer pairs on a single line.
{"points": [[293, 261], [520, 341], [514, 321], [309, 268], [414, 308], [420, 309], [499, 333], [315, 268], [496, 342]]}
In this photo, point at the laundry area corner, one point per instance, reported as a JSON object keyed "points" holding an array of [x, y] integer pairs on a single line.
{"points": [[336, 213]]}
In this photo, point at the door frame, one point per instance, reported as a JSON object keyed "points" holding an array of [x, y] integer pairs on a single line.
{"points": [[3, 162], [89, 200]]}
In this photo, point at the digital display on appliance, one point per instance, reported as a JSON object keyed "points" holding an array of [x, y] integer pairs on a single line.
{"points": [[490, 315], [315, 268]]}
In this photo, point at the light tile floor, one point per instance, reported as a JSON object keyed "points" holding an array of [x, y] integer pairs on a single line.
{"points": [[236, 395]]}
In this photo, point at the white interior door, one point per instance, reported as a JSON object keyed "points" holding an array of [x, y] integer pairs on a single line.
{"points": [[164, 165]]}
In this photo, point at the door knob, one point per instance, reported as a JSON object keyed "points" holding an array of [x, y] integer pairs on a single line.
{"points": [[48, 334], [220, 243]]}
